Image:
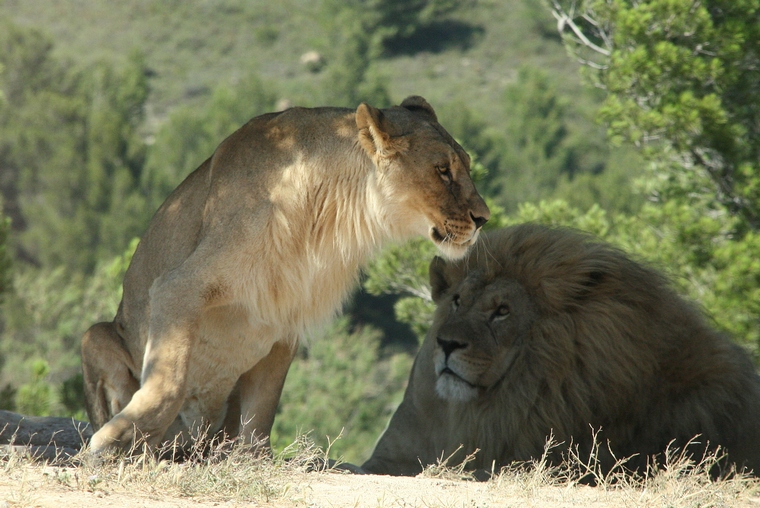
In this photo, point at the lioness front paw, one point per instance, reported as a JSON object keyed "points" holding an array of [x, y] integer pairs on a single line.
{"points": [[117, 434]]}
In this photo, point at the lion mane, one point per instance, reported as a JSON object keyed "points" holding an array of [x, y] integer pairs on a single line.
{"points": [[548, 332]]}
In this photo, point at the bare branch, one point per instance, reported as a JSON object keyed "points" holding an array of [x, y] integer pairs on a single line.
{"points": [[567, 20], [423, 293], [593, 65]]}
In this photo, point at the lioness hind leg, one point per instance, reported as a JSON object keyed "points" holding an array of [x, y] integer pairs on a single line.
{"points": [[177, 300], [107, 367], [260, 390]]}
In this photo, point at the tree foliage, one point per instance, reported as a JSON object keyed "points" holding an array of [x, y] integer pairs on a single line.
{"points": [[5, 256], [37, 396], [191, 134], [70, 152], [550, 147], [341, 385], [388, 19], [683, 83], [43, 320], [357, 30], [352, 79]]}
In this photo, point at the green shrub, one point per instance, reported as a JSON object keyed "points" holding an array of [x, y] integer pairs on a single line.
{"points": [[342, 384], [36, 397]]}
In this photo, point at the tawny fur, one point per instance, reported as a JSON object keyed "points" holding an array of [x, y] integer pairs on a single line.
{"points": [[258, 245], [591, 341]]}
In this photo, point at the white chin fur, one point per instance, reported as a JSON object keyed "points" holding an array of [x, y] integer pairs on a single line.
{"points": [[450, 388], [455, 251]]}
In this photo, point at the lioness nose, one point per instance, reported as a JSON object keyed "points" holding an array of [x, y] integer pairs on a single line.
{"points": [[449, 346], [479, 221]]}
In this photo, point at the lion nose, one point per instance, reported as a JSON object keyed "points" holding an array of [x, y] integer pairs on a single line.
{"points": [[479, 221], [449, 346]]}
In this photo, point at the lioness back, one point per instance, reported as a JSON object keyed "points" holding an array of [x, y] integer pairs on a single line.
{"points": [[545, 332], [262, 147], [263, 241]]}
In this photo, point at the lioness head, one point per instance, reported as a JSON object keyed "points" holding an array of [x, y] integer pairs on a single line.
{"points": [[425, 174]]}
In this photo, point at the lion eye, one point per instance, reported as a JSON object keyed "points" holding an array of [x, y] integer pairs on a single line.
{"points": [[455, 302], [501, 312], [445, 173]]}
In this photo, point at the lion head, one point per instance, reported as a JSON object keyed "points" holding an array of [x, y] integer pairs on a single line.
{"points": [[547, 332], [478, 332]]}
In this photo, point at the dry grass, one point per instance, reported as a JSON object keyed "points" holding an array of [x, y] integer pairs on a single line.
{"points": [[678, 481], [212, 470], [223, 471]]}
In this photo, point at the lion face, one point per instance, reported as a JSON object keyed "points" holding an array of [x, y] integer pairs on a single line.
{"points": [[424, 173], [479, 328]]}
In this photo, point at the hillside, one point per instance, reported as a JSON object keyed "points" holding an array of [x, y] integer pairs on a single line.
{"points": [[193, 46]]}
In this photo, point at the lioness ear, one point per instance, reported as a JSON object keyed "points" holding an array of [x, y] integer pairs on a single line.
{"points": [[418, 104], [374, 134]]}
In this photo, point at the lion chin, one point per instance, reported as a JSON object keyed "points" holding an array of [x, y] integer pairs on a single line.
{"points": [[451, 387]]}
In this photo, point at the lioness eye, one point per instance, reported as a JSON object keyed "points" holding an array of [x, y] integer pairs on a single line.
{"points": [[455, 302], [445, 173]]}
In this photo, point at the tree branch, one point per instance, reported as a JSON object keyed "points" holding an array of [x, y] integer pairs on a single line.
{"points": [[735, 203], [566, 20]]}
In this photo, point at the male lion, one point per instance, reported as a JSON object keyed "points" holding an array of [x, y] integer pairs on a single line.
{"points": [[543, 332], [261, 242]]}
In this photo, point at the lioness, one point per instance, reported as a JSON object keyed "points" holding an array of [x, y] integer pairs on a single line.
{"points": [[545, 331], [257, 245]]}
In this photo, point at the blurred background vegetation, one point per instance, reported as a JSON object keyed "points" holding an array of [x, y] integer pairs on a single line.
{"points": [[636, 121]]}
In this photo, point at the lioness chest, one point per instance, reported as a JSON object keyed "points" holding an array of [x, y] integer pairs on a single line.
{"points": [[277, 300]]}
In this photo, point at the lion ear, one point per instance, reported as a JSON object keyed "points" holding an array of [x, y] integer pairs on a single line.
{"points": [[374, 133], [443, 275], [589, 285], [563, 292], [437, 274], [415, 103]]}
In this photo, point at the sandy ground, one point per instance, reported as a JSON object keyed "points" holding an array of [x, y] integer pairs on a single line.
{"points": [[39, 488], [312, 490]]}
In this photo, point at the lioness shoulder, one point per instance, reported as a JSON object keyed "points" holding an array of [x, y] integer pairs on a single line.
{"points": [[546, 332], [263, 241]]}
